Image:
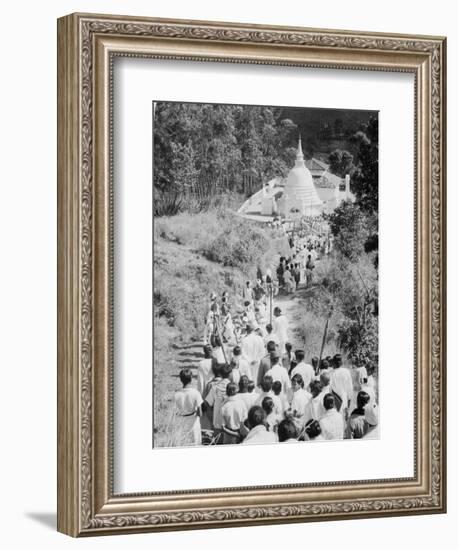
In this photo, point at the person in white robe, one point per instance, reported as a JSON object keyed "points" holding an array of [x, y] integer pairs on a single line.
{"points": [[216, 397], [209, 328], [361, 374], [364, 418], [285, 398], [371, 409], [204, 370], [246, 392], [304, 369], [280, 327], [247, 293], [369, 389], [260, 313], [299, 401], [252, 349], [272, 418], [342, 383], [234, 413], [188, 402], [278, 373], [249, 315], [266, 363], [315, 408], [266, 391], [228, 330], [270, 336], [332, 422], [220, 352], [240, 366]]}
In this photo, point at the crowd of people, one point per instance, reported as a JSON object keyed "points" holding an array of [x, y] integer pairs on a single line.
{"points": [[252, 387]]}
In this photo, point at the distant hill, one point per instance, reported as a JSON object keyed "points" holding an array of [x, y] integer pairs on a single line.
{"points": [[324, 130]]}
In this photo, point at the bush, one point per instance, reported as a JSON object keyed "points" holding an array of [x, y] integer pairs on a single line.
{"points": [[350, 229], [360, 341], [166, 204], [188, 229], [240, 245], [351, 290]]}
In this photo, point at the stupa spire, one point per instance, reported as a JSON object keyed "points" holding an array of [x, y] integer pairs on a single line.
{"points": [[299, 153]]}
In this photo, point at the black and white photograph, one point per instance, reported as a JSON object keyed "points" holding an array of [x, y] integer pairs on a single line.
{"points": [[265, 274]]}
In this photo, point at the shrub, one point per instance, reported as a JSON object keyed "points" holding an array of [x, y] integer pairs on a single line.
{"points": [[349, 227], [360, 341], [166, 204]]}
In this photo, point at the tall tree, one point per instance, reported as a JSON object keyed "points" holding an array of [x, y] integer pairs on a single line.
{"points": [[218, 143], [365, 177], [341, 163], [349, 227]]}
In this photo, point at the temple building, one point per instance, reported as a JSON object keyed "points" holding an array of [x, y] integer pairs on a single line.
{"points": [[307, 191], [300, 197]]}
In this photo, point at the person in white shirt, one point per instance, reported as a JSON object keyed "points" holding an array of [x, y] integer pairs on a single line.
{"points": [[325, 383], [266, 363], [258, 432], [228, 329], [325, 367], [246, 392], [365, 386], [248, 293], [284, 398], [266, 391], [272, 418], [209, 328], [315, 408], [234, 413], [252, 349], [342, 383], [220, 352], [302, 368], [280, 326], [188, 403], [315, 360], [288, 358], [371, 409], [216, 397], [278, 372], [270, 336], [299, 401], [204, 370], [287, 431], [332, 423], [260, 314], [240, 366], [361, 374]]}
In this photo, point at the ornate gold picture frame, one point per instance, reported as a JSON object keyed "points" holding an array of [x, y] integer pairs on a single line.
{"points": [[87, 46]]}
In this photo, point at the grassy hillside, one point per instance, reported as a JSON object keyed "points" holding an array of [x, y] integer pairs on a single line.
{"points": [[196, 254]]}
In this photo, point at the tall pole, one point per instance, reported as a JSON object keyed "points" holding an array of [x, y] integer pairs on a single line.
{"points": [[323, 342], [271, 292], [220, 338]]}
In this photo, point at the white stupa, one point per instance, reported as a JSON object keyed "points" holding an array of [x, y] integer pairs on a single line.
{"points": [[300, 195]]}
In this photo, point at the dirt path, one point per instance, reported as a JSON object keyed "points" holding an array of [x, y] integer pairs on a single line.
{"points": [[292, 306]]}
